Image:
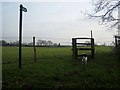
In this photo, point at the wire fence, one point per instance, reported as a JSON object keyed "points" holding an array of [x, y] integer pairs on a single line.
{"points": [[11, 55], [109, 41]]}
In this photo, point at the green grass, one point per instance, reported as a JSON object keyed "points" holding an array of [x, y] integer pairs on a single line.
{"points": [[55, 68]]}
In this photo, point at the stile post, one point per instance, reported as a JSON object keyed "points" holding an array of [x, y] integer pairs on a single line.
{"points": [[93, 48], [74, 48], [116, 44], [34, 49], [91, 34]]}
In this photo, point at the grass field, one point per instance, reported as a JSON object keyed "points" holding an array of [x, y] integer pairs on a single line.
{"points": [[55, 68]]}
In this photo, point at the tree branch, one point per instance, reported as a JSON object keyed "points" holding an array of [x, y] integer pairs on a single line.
{"points": [[104, 9]]}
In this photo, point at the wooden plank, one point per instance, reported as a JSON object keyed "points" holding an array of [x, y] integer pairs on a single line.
{"points": [[83, 38], [84, 48], [84, 43], [81, 55]]}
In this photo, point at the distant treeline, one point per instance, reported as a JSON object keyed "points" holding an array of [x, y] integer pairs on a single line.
{"points": [[39, 43], [44, 43]]}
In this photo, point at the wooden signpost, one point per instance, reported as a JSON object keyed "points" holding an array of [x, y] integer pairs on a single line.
{"points": [[20, 34]]}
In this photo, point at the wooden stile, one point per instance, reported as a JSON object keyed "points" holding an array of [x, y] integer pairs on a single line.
{"points": [[75, 48]]}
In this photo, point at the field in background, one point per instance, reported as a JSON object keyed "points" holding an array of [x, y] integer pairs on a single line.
{"points": [[55, 68]]}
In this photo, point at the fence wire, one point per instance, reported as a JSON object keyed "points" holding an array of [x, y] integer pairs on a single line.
{"points": [[62, 41]]}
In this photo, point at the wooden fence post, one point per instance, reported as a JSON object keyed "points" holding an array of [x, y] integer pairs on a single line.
{"points": [[34, 49]]}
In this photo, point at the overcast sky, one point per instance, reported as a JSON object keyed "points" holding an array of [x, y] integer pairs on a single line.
{"points": [[57, 21]]}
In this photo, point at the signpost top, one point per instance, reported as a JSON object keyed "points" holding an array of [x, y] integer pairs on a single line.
{"points": [[23, 8]]}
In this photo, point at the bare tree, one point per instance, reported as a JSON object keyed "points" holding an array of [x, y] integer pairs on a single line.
{"points": [[44, 42], [49, 43], [39, 42], [16, 43], [55, 45], [106, 10], [3, 43]]}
